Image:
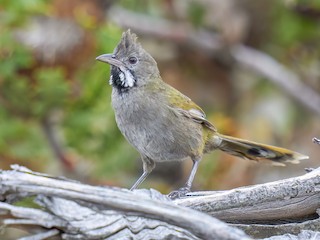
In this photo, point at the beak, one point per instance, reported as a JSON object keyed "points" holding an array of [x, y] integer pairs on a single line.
{"points": [[110, 59]]}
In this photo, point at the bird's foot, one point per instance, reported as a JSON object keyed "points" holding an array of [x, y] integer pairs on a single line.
{"points": [[180, 193]]}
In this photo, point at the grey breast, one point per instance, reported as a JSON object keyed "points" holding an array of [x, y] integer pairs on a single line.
{"points": [[153, 128]]}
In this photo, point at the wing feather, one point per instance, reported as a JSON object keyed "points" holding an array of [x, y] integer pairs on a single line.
{"points": [[183, 105]]}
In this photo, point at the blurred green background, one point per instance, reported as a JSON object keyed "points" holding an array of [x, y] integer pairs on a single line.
{"points": [[56, 115]]}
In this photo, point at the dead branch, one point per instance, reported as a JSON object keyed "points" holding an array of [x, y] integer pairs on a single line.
{"points": [[77, 211], [285, 206], [81, 211], [213, 44], [54, 143], [278, 74]]}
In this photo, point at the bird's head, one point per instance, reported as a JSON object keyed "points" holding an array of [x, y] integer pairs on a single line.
{"points": [[131, 65]]}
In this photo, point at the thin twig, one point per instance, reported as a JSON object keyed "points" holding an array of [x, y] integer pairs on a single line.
{"points": [[271, 69], [54, 143]]}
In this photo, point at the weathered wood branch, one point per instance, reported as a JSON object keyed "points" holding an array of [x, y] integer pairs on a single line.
{"points": [[292, 198], [86, 212], [279, 207], [77, 211]]}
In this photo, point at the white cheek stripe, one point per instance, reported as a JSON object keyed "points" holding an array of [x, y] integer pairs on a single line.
{"points": [[126, 77], [129, 78], [121, 76]]}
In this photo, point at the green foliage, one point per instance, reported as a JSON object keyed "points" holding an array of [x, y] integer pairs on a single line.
{"points": [[22, 142], [33, 94], [142, 5], [291, 28], [196, 13], [51, 90], [16, 12]]}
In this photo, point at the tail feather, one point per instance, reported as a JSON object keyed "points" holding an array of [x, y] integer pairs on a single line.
{"points": [[257, 151]]}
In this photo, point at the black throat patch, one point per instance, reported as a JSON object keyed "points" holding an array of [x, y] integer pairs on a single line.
{"points": [[118, 79]]}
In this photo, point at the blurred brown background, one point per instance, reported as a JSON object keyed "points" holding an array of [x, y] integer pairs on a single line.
{"points": [[253, 66]]}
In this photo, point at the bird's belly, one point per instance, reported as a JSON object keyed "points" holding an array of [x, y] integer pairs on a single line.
{"points": [[160, 138], [159, 143]]}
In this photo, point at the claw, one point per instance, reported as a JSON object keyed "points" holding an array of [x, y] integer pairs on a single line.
{"points": [[180, 193]]}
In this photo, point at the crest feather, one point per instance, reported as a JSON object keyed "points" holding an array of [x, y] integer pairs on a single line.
{"points": [[128, 40]]}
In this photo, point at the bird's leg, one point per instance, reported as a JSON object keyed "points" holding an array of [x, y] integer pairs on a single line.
{"points": [[148, 166], [192, 174], [187, 188]]}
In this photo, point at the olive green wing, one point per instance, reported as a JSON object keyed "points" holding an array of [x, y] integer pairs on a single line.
{"points": [[183, 105]]}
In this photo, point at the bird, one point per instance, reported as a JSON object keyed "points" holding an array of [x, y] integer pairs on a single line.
{"points": [[163, 124]]}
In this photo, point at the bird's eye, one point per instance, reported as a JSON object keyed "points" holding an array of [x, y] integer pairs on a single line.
{"points": [[133, 60]]}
